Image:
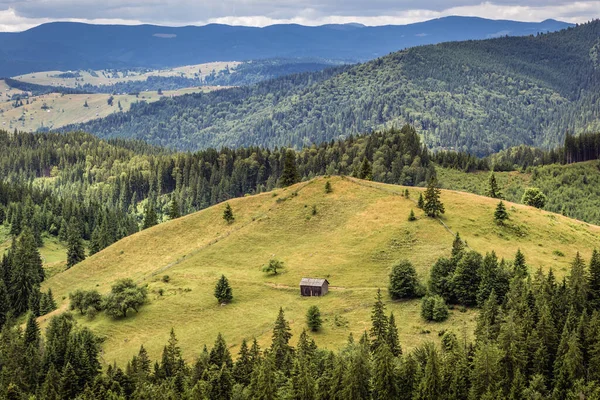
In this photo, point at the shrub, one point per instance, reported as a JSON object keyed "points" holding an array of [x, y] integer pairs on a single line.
{"points": [[166, 278], [534, 197], [273, 267], [124, 295], [404, 283], [328, 188], [411, 216]]}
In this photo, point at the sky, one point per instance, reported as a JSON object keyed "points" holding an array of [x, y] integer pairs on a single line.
{"points": [[19, 15]]}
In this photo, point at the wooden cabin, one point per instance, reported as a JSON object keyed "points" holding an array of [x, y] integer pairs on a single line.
{"points": [[314, 287]]}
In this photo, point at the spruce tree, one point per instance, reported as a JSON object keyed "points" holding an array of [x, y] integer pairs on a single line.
{"points": [[31, 336], [433, 206], [458, 247], [365, 171], [69, 386], [411, 216], [328, 188], [174, 212], [594, 281], [27, 272], [519, 265], [223, 291], [493, 189], [280, 347], [51, 387], [379, 323], [75, 249], [228, 214], [219, 355], [289, 175], [385, 382], [4, 303], [578, 284], [467, 278], [393, 341], [421, 202], [500, 215], [242, 370], [150, 216], [313, 318], [263, 385]]}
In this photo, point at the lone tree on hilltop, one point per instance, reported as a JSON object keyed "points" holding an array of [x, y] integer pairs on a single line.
{"points": [[433, 206], [500, 215], [493, 189], [228, 214], [223, 291]]}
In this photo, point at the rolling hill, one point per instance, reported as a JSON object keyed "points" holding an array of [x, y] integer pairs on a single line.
{"points": [[358, 232], [475, 96], [72, 46]]}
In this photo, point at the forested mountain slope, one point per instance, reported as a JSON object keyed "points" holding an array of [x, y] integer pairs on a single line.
{"points": [[349, 239], [479, 96], [72, 46]]}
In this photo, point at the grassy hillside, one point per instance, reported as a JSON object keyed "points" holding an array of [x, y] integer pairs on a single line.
{"points": [[476, 96], [572, 190], [56, 110], [358, 232]]}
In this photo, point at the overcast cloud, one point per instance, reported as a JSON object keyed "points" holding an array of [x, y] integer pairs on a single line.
{"points": [[17, 15]]}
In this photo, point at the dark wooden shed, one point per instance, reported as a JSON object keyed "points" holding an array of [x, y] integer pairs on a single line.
{"points": [[314, 287]]}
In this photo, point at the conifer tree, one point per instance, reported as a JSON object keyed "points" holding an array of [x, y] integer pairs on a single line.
{"points": [[421, 202], [150, 216], [174, 212], [379, 323], [280, 347], [493, 189], [385, 384], [223, 291], [172, 359], [228, 214], [68, 383], [466, 278], [32, 332], [365, 171], [27, 272], [458, 247], [594, 281], [219, 354], [263, 385], [357, 380], [313, 318], [289, 175], [4, 303], [519, 265], [75, 249], [242, 370], [431, 386], [328, 188], [578, 284], [411, 216], [433, 206], [51, 386], [500, 215], [393, 341]]}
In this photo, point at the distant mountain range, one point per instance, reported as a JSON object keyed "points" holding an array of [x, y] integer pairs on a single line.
{"points": [[479, 96], [72, 46]]}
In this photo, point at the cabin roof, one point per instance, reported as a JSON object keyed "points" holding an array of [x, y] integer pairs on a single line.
{"points": [[313, 282]]}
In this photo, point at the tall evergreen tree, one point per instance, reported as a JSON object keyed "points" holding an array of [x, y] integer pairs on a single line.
{"points": [[379, 323], [75, 248], [5, 307], [519, 265], [594, 281], [27, 272], [365, 171], [493, 189], [150, 216], [385, 386], [289, 175], [433, 205], [242, 370], [223, 291], [458, 247], [393, 341], [174, 212], [500, 215], [578, 284], [280, 347], [228, 214]]}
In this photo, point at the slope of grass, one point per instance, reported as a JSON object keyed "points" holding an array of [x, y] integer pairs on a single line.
{"points": [[357, 234]]}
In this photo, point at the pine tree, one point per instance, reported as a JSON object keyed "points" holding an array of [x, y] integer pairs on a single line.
{"points": [[421, 202], [75, 249], [385, 384], [172, 360], [578, 284], [289, 175], [356, 381], [493, 189], [27, 272], [519, 265], [150, 216], [500, 215], [280, 347], [594, 281], [393, 341], [174, 212], [431, 386], [223, 291], [458, 247], [313, 318], [328, 188], [263, 385], [411, 216], [365, 171], [228, 214], [219, 354], [68, 383], [379, 323], [433, 206], [466, 278], [242, 370], [32, 332]]}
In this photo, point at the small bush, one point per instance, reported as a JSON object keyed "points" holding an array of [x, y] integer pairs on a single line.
{"points": [[558, 253], [91, 313], [166, 279], [411, 216], [273, 267], [313, 318]]}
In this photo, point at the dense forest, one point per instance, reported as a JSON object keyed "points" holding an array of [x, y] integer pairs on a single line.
{"points": [[477, 96], [536, 337], [112, 188]]}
